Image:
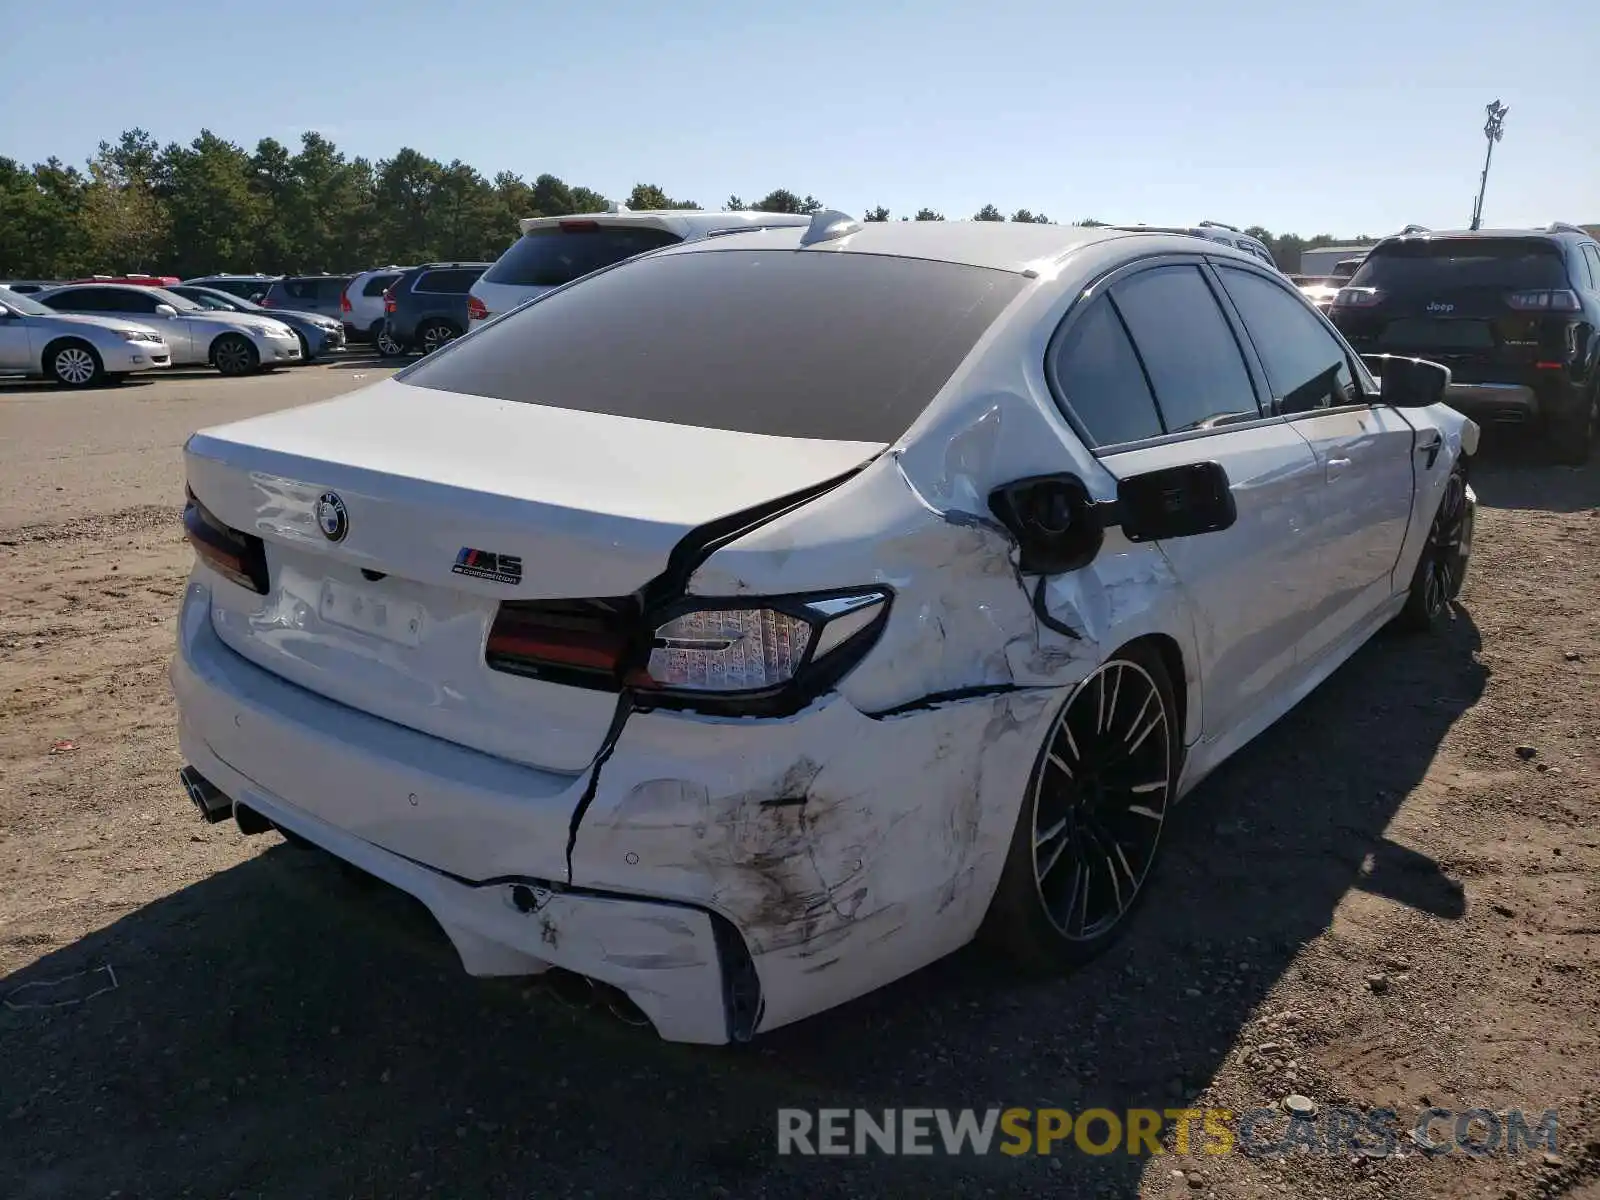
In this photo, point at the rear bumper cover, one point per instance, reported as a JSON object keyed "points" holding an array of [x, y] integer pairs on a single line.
{"points": [[1491, 402], [729, 876]]}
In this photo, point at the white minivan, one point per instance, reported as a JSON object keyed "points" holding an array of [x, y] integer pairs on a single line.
{"points": [[556, 250]]}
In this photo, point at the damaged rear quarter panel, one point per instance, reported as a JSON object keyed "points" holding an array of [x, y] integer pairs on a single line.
{"points": [[846, 849]]}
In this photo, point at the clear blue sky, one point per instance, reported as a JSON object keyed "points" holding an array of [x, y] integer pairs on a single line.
{"points": [[1346, 118]]}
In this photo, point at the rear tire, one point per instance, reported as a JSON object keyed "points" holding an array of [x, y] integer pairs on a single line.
{"points": [[1442, 566], [234, 355], [1089, 829], [1570, 436], [387, 345], [74, 364], [434, 334]]}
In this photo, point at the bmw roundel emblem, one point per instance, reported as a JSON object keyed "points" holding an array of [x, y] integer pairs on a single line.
{"points": [[332, 518]]}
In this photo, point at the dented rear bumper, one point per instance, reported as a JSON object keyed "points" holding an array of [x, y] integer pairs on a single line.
{"points": [[729, 875]]}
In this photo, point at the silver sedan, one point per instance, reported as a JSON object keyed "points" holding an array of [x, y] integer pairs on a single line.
{"points": [[73, 350]]}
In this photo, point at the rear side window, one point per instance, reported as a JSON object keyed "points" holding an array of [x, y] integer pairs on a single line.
{"points": [[1444, 264], [1306, 367], [332, 289], [1591, 258], [378, 284], [1187, 347], [843, 347], [1096, 372], [80, 301], [560, 254], [453, 280]]}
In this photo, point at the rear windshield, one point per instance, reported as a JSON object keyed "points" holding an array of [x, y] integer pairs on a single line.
{"points": [[557, 255], [1443, 264], [317, 287], [455, 281], [809, 344]]}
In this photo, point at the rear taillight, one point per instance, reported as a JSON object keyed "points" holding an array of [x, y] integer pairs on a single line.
{"points": [[266, 302], [756, 658], [1356, 297], [1545, 300], [476, 309], [344, 302], [241, 557], [388, 300], [579, 226]]}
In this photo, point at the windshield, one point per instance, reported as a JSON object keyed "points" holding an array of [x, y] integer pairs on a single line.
{"points": [[181, 303], [214, 297], [21, 304], [1447, 264], [844, 347]]}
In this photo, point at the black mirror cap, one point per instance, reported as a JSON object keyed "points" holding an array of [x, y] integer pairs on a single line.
{"points": [[1175, 502], [1054, 519], [1408, 382]]}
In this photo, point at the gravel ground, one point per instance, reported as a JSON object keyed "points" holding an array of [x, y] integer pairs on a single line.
{"points": [[1380, 902]]}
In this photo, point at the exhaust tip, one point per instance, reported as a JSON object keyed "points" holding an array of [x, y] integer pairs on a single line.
{"points": [[207, 799]]}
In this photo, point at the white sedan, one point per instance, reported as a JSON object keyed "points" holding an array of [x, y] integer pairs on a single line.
{"points": [[75, 351], [754, 622], [233, 343]]}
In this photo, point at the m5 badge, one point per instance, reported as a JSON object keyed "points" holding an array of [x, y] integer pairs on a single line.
{"points": [[486, 564]]}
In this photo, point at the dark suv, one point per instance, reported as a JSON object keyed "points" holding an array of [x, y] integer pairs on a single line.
{"points": [[1514, 314], [427, 307]]}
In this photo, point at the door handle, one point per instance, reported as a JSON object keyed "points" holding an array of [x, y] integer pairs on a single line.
{"points": [[1337, 467], [1431, 449]]}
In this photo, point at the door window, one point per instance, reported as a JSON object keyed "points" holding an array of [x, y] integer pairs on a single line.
{"points": [[1306, 366], [1190, 356], [1095, 371]]}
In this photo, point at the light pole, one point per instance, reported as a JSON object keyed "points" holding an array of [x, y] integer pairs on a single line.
{"points": [[1493, 129]]}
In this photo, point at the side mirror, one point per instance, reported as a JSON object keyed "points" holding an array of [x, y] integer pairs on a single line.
{"points": [[1408, 382], [166, 310], [1176, 502]]}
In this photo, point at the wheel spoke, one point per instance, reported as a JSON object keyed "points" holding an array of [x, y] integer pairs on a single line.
{"points": [[1140, 810], [1056, 830]]}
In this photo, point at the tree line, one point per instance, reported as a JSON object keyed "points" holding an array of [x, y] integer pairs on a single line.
{"points": [[213, 205]]}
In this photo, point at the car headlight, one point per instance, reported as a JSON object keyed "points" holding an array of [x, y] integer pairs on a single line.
{"points": [[138, 335], [277, 331]]}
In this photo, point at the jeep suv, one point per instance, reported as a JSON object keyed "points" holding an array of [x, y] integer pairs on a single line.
{"points": [[427, 307], [1514, 314]]}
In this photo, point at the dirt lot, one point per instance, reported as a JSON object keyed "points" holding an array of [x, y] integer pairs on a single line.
{"points": [[1380, 903]]}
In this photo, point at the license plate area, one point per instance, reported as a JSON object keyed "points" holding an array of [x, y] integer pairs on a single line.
{"points": [[368, 611]]}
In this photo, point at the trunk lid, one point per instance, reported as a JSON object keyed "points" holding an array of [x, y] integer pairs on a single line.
{"points": [[396, 520]]}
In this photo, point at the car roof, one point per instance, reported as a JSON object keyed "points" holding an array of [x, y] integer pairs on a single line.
{"points": [[438, 266], [108, 287], [1000, 245], [1427, 235], [685, 222]]}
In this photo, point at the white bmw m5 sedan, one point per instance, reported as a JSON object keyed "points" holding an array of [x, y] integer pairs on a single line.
{"points": [[754, 622]]}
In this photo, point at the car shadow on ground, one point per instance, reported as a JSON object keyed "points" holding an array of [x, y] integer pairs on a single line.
{"points": [[279, 1030], [15, 385], [1513, 470]]}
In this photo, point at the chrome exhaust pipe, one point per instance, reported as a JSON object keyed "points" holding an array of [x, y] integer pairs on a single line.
{"points": [[203, 794]]}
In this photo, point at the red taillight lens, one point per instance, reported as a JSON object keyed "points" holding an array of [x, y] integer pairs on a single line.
{"points": [[1545, 300], [579, 226], [344, 302], [241, 557], [572, 641], [388, 301], [1356, 297], [476, 309], [266, 302]]}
